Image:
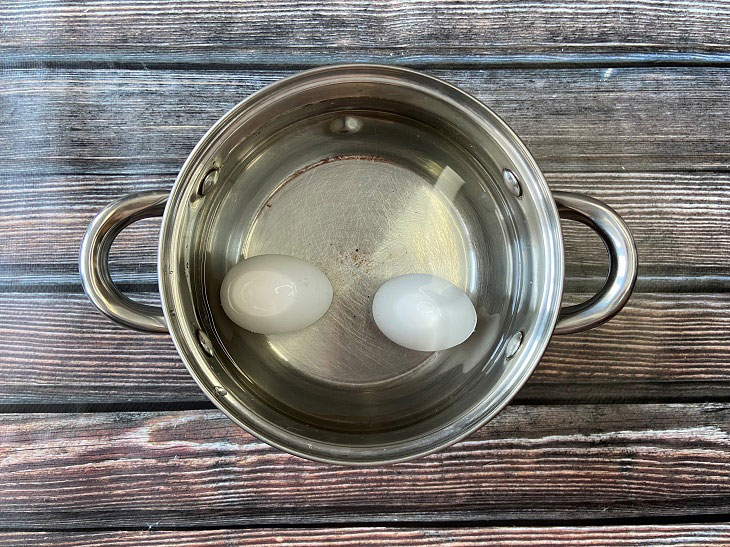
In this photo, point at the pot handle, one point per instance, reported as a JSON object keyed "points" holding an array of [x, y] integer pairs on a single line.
{"points": [[623, 262], [94, 261]]}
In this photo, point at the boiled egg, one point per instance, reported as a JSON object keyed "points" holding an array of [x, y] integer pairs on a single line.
{"points": [[424, 312], [274, 294]]}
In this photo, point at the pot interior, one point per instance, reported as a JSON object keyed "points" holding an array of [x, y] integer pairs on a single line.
{"points": [[368, 179]]}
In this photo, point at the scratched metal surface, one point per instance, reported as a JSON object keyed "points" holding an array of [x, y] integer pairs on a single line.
{"points": [[411, 230]]}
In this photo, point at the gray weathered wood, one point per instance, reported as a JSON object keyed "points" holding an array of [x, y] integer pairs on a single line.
{"points": [[680, 222], [98, 99], [303, 32], [146, 122], [680, 535], [194, 468], [57, 349]]}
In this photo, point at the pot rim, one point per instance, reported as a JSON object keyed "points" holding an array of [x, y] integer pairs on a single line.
{"points": [[184, 334]]}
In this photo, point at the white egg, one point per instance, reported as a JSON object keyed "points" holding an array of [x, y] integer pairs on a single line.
{"points": [[274, 294], [424, 312]]}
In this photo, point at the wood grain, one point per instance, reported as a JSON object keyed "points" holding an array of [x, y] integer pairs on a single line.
{"points": [[58, 350], [679, 221], [193, 468], [684, 535], [624, 101], [582, 120], [303, 32]]}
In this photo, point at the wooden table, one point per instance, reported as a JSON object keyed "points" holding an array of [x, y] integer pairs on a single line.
{"points": [[622, 436]]}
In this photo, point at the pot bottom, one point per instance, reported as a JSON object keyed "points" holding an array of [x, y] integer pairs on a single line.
{"points": [[365, 196]]}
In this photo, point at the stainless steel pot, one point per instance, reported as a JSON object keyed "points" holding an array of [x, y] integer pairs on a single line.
{"points": [[368, 172]]}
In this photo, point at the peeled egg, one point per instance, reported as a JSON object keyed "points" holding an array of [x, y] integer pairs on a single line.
{"points": [[424, 312], [274, 294]]}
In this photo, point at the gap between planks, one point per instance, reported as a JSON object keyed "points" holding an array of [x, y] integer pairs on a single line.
{"points": [[690, 521], [642, 461], [297, 61]]}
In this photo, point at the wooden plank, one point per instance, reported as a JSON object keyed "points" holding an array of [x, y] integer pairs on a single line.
{"points": [[684, 535], [187, 469], [58, 350], [61, 208], [581, 120], [656, 341], [680, 222], [303, 32]]}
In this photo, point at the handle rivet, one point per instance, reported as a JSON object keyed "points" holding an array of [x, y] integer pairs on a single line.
{"points": [[346, 124], [513, 344], [209, 180], [204, 342], [512, 183]]}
